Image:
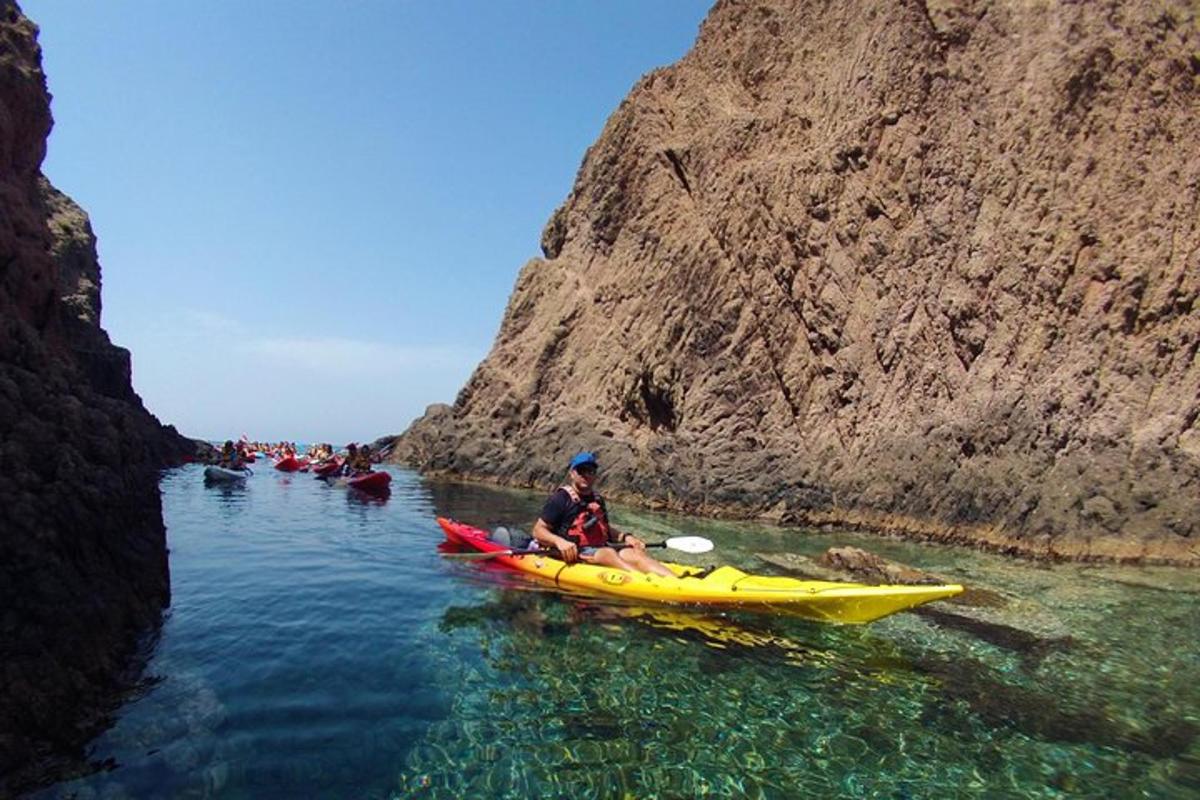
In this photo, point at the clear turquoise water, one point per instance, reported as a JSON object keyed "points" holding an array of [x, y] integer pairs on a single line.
{"points": [[318, 646]]}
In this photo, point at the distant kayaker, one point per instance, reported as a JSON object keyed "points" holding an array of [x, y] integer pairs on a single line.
{"points": [[357, 459], [230, 458], [574, 521], [364, 458]]}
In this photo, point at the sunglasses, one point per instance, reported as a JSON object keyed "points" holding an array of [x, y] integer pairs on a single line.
{"points": [[586, 469]]}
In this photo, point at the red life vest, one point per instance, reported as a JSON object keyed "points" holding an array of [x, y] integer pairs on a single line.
{"points": [[590, 526]]}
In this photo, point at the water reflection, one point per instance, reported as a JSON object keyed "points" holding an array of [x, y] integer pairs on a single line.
{"points": [[225, 491], [730, 635], [375, 498], [67, 755]]}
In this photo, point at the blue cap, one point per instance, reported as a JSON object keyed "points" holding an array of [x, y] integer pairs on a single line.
{"points": [[583, 458]]}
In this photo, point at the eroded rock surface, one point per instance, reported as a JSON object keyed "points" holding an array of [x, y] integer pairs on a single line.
{"points": [[920, 267], [83, 560]]}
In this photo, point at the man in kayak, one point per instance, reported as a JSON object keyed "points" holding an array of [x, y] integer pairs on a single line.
{"points": [[574, 522], [358, 459], [230, 458], [351, 459]]}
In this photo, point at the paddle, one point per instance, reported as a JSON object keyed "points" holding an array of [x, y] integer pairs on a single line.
{"points": [[684, 544]]}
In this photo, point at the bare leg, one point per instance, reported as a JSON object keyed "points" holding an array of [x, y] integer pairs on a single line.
{"points": [[606, 557], [643, 563], [628, 559]]}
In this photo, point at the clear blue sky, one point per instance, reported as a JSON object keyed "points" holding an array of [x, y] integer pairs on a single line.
{"points": [[311, 214]]}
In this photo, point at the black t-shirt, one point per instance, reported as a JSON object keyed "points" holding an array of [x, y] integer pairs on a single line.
{"points": [[560, 511]]}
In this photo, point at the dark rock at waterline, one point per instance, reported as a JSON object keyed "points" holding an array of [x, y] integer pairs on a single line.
{"points": [[897, 266], [206, 453], [382, 447], [83, 560]]}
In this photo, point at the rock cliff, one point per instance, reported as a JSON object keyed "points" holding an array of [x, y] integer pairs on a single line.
{"points": [[83, 560], [921, 267]]}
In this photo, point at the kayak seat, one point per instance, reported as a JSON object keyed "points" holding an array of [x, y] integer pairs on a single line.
{"points": [[700, 574], [513, 538]]}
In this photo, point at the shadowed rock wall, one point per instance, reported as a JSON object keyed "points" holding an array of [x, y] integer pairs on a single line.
{"points": [[83, 560], [921, 267]]}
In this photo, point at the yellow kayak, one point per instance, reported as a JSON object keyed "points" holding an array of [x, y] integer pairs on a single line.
{"points": [[826, 601]]}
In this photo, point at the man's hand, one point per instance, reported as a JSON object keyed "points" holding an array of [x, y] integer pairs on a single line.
{"points": [[634, 542], [567, 549]]}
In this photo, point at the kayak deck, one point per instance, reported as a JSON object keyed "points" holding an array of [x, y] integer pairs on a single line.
{"points": [[288, 464], [827, 601], [375, 482], [222, 475]]}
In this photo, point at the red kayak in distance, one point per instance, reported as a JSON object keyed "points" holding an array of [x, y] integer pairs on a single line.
{"points": [[328, 468], [289, 464], [374, 482]]}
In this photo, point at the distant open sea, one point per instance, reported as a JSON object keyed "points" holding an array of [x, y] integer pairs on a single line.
{"points": [[318, 646]]}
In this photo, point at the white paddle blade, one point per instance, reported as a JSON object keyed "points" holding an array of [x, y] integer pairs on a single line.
{"points": [[689, 544]]}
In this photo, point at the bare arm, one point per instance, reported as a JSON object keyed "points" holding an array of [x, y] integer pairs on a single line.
{"points": [[625, 537], [547, 537]]}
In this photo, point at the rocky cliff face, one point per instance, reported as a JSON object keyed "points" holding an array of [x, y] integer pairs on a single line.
{"points": [[925, 267], [83, 561]]}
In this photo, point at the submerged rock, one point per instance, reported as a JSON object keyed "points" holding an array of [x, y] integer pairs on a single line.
{"points": [[1044, 716], [870, 568], [979, 612], [917, 268], [1031, 646]]}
